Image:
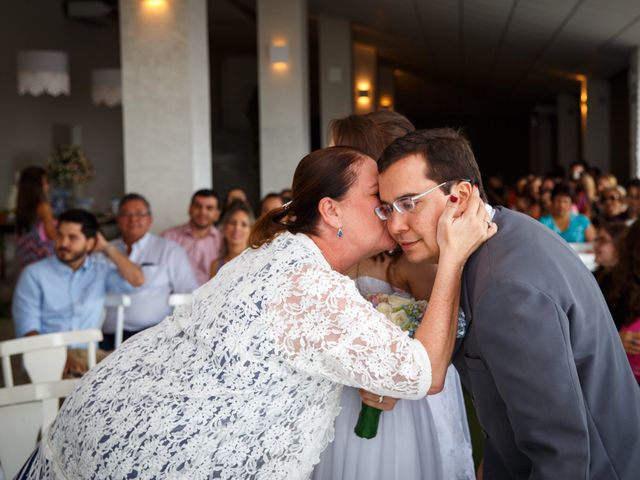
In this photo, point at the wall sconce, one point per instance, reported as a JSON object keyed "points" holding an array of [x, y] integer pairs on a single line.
{"points": [[279, 55], [386, 102], [106, 87], [155, 5], [363, 94], [43, 71]]}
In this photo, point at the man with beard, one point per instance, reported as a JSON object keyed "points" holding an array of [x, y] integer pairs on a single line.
{"points": [[66, 291], [199, 237]]}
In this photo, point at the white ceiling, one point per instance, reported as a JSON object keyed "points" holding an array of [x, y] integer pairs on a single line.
{"points": [[528, 46]]}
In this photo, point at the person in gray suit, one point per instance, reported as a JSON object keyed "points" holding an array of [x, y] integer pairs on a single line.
{"points": [[541, 357]]}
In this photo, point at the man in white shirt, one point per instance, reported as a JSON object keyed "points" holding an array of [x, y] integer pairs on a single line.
{"points": [[199, 237], [164, 263]]}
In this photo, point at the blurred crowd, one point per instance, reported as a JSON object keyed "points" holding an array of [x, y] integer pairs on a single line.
{"points": [[584, 205]]}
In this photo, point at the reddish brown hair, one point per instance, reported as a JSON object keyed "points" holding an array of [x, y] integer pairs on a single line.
{"points": [[328, 172]]}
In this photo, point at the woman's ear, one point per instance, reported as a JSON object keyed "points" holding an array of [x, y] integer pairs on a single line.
{"points": [[330, 212]]}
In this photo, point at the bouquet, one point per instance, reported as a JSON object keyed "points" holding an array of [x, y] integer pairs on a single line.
{"points": [[406, 312], [69, 166]]}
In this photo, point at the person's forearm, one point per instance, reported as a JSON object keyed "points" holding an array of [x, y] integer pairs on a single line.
{"points": [[437, 331], [131, 272]]}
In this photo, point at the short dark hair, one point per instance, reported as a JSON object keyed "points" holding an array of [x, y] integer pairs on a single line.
{"points": [[561, 190], [633, 183], [271, 195], [87, 221], [129, 197], [447, 154], [205, 192]]}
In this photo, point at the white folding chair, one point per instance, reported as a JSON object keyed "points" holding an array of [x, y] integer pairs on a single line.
{"points": [[44, 356], [22, 415], [119, 302], [177, 299]]}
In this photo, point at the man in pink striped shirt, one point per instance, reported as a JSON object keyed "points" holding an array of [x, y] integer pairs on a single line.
{"points": [[199, 237]]}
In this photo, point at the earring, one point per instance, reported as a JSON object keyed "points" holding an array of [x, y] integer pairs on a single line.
{"points": [[339, 232]]}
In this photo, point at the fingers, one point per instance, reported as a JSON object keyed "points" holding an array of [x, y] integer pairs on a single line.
{"points": [[380, 402]]}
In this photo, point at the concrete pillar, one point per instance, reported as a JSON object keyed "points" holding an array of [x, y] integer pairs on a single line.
{"points": [[284, 90], [597, 144], [568, 129], [165, 87], [364, 78], [336, 95], [634, 105]]}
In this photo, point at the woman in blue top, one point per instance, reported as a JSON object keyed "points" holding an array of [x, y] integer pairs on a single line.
{"points": [[573, 227]]}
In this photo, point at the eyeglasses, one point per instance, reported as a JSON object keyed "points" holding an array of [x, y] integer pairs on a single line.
{"points": [[611, 199], [408, 204], [133, 214]]}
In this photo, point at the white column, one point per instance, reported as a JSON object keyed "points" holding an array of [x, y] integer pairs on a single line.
{"points": [[284, 90], [597, 144], [165, 86], [634, 106], [336, 95], [364, 78], [568, 129]]}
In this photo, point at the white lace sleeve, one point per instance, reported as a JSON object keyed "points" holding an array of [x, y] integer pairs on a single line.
{"points": [[326, 328]]}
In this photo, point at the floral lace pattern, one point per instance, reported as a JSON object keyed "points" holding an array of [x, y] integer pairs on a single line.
{"points": [[242, 383]]}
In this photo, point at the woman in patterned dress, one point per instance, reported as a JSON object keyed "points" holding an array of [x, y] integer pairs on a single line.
{"points": [[245, 381]]}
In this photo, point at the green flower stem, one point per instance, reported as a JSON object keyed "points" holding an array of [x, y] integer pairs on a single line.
{"points": [[367, 426]]}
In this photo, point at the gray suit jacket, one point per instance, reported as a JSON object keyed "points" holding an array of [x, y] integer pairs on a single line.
{"points": [[551, 384]]}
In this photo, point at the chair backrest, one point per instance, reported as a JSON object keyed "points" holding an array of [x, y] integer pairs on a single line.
{"points": [[22, 415], [44, 355], [119, 302]]}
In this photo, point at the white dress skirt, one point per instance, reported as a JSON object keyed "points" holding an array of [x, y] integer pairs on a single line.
{"points": [[424, 439]]}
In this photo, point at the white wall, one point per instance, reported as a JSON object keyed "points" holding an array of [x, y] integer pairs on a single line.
{"points": [[336, 90], [284, 93], [26, 122]]}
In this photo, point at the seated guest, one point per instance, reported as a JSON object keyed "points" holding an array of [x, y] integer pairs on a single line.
{"points": [[604, 181], [286, 195], [625, 297], [607, 247], [199, 238], [633, 200], [270, 202], [66, 292], [612, 205], [573, 227], [35, 224], [164, 263], [235, 226], [236, 194]]}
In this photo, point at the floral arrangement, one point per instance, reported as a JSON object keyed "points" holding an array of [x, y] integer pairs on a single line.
{"points": [[406, 312], [69, 166]]}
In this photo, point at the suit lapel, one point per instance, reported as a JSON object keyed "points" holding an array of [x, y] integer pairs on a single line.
{"points": [[465, 304]]}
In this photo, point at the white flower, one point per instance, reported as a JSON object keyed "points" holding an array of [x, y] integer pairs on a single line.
{"points": [[397, 301], [399, 318], [385, 309]]}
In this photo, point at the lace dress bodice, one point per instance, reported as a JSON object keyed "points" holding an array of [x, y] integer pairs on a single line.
{"points": [[242, 383]]}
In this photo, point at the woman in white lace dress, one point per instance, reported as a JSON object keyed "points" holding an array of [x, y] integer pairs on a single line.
{"points": [[426, 438], [245, 381]]}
